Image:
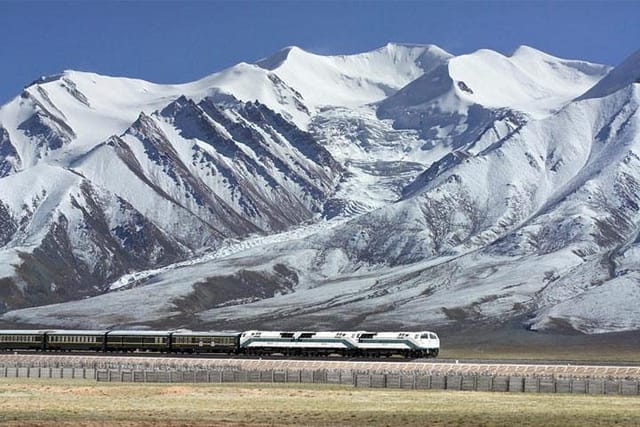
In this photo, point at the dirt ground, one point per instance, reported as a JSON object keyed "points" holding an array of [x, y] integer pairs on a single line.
{"points": [[30, 402]]}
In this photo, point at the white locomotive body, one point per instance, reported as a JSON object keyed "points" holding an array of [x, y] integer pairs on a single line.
{"points": [[348, 343]]}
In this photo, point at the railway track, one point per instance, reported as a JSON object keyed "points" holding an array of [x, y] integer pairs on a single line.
{"points": [[393, 359], [439, 367]]}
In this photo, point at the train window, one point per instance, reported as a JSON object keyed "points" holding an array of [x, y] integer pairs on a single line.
{"points": [[425, 336]]}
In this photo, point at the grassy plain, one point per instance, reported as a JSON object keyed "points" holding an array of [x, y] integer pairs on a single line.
{"points": [[31, 402], [513, 342], [584, 354]]}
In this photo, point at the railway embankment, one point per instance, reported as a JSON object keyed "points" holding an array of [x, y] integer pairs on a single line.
{"points": [[498, 377]]}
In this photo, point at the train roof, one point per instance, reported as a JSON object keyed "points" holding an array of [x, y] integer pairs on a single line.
{"points": [[22, 331], [139, 333], [76, 332], [205, 333]]}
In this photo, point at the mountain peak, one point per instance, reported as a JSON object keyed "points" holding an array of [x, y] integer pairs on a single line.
{"points": [[277, 59], [523, 50], [45, 79], [400, 45], [620, 77]]}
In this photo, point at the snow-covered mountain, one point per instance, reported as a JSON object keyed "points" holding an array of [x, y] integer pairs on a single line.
{"points": [[401, 187]]}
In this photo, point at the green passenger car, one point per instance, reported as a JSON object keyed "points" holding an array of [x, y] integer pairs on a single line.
{"points": [[205, 342], [76, 340], [11, 340]]}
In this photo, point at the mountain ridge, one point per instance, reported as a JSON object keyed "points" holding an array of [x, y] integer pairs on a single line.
{"points": [[389, 188]]}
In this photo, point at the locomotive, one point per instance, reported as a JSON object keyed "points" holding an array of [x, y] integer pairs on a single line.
{"points": [[254, 343]]}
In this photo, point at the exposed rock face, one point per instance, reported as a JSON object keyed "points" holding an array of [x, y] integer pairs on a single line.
{"points": [[409, 188], [9, 158], [177, 180]]}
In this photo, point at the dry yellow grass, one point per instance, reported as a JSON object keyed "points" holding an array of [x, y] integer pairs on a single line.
{"points": [[600, 354], [55, 402]]}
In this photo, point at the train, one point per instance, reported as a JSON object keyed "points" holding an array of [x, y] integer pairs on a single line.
{"points": [[252, 343]]}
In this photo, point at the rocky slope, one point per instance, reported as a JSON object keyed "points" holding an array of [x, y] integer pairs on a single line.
{"points": [[402, 187]]}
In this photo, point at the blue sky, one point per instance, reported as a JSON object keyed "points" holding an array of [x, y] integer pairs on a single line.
{"points": [[172, 42]]}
